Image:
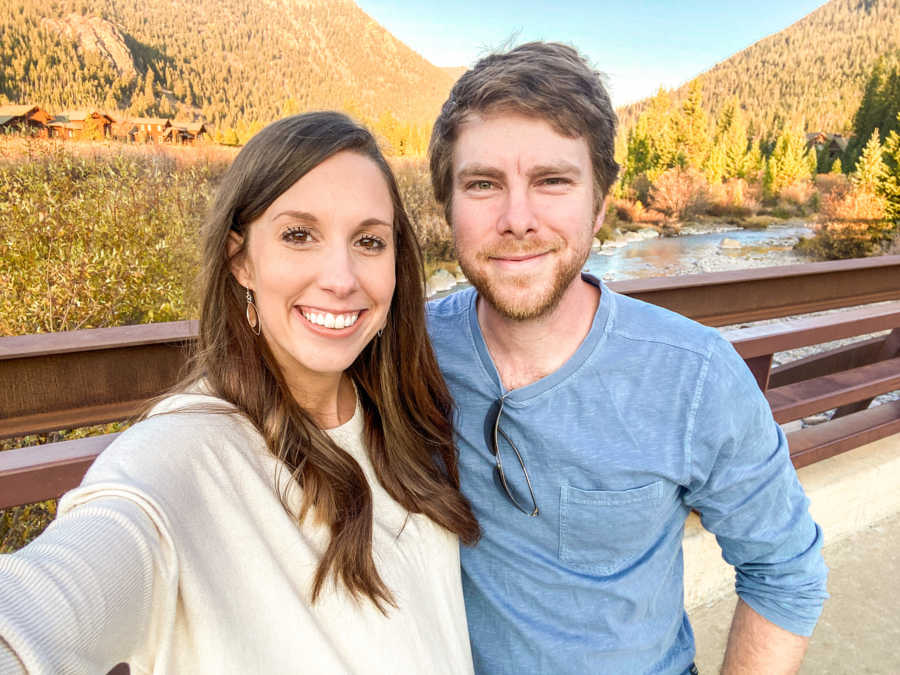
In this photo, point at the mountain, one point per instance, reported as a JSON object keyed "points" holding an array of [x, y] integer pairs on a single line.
{"points": [[810, 74], [455, 72], [231, 61]]}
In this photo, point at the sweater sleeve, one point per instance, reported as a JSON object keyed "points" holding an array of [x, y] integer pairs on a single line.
{"points": [[747, 493], [78, 599]]}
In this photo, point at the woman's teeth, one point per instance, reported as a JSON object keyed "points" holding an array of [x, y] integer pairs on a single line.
{"points": [[329, 320]]}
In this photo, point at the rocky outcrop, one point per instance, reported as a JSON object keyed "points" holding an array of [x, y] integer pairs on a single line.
{"points": [[93, 34]]}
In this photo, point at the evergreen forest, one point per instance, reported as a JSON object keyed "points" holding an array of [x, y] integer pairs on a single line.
{"points": [[235, 64], [810, 75]]}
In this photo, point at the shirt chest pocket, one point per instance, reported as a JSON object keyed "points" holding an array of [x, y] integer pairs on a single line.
{"points": [[602, 531]]}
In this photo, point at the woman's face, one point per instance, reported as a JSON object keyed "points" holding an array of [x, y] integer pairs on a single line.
{"points": [[320, 263]]}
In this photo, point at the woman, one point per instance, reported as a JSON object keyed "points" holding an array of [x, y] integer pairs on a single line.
{"points": [[295, 506]]}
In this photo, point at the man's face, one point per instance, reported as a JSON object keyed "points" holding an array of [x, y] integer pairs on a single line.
{"points": [[522, 211]]}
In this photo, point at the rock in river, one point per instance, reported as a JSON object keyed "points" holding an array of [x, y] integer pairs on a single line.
{"points": [[440, 281]]}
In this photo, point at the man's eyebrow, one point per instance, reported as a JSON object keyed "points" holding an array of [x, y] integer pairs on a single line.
{"points": [[483, 170], [560, 167], [487, 171]]}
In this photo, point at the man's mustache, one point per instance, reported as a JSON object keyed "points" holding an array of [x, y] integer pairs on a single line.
{"points": [[520, 250]]}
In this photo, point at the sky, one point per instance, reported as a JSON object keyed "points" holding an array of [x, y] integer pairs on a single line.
{"points": [[640, 45]]}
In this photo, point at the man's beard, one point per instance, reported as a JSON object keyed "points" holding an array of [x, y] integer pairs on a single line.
{"points": [[528, 302]]}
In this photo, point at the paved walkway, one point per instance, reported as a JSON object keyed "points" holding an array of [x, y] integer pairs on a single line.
{"points": [[859, 631]]}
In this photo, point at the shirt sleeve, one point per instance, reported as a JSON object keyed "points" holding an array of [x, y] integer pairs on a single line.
{"points": [[78, 599], [747, 492]]}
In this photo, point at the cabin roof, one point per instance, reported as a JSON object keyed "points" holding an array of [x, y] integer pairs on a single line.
{"points": [[150, 120], [10, 111]]}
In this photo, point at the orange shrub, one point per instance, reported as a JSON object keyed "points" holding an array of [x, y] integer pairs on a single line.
{"points": [[735, 197], [853, 205], [653, 217], [679, 192], [826, 183], [628, 211], [799, 193], [852, 224]]}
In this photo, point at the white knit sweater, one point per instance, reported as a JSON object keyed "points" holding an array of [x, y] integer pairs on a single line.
{"points": [[175, 555]]}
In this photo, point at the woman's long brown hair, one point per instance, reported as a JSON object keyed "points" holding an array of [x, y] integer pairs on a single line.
{"points": [[407, 406]]}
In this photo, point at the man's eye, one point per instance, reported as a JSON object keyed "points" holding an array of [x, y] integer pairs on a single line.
{"points": [[555, 180], [297, 235], [481, 185], [371, 242]]}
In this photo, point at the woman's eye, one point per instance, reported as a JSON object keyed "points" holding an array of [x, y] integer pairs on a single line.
{"points": [[371, 242], [297, 235]]}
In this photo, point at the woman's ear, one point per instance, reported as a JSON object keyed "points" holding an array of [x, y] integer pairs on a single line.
{"points": [[237, 259]]}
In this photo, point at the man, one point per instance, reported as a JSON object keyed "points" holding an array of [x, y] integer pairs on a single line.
{"points": [[590, 424]]}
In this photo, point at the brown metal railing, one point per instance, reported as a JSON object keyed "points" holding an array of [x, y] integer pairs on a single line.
{"points": [[64, 380]]}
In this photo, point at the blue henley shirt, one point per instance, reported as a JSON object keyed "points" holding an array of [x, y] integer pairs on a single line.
{"points": [[654, 415]]}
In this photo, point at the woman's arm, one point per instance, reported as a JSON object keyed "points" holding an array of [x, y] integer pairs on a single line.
{"points": [[79, 597]]}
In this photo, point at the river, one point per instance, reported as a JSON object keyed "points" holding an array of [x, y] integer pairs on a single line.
{"points": [[710, 249]]}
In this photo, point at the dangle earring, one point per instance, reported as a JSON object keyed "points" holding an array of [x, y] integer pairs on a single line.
{"points": [[252, 314]]}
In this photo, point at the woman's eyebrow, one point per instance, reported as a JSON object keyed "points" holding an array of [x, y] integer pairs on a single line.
{"points": [[376, 222], [299, 215]]}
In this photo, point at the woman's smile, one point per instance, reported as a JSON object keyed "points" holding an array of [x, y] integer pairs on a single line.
{"points": [[332, 321]]}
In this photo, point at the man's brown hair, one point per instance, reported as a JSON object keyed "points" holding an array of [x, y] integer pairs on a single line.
{"points": [[544, 80]]}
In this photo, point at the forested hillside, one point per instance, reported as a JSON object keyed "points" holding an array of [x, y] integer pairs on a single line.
{"points": [[230, 61], [811, 74]]}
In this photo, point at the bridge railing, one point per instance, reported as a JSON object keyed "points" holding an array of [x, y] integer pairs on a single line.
{"points": [[59, 381]]}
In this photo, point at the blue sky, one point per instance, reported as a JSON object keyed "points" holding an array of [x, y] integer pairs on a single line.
{"points": [[640, 45]]}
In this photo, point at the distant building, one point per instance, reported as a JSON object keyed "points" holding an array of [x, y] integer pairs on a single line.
{"points": [[833, 144], [81, 124], [125, 131], [186, 133], [151, 128], [24, 118]]}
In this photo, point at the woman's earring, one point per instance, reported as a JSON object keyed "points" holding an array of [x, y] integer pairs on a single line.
{"points": [[380, 332], [252, 314]]}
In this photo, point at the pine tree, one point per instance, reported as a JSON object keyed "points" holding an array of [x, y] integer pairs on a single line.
{"points": [[770, 179], [732, 137], [789, 162], [692, 127], [653, 145], [812, 161], [878, 106], [890, 185], [230, 137], [870, 170], [755, 161], [715, 166], [836, 166]]}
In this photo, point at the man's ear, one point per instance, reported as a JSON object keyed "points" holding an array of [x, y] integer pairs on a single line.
{"points": [[601, 214], [237, 259]]}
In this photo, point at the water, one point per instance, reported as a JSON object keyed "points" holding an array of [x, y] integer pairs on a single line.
{"points": [[700, 252]]}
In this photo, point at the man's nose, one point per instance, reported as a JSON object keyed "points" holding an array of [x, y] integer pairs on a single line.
{"points": [[518, 218]]}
